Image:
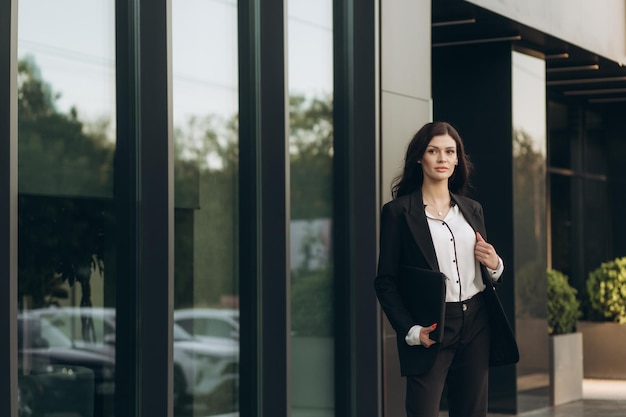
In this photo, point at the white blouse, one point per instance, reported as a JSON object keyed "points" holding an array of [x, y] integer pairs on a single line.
{"points": [[454, 241]]}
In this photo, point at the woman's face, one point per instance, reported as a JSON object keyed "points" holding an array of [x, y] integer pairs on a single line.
{"points": [[439, 159]]}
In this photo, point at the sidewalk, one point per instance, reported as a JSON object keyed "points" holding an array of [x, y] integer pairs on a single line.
{"points": [[601, 398]]}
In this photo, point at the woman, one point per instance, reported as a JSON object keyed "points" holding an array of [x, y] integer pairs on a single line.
{"points": [[431, 226]]}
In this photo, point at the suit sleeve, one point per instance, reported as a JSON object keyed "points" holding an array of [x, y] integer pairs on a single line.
{"points": [[386, 282]]}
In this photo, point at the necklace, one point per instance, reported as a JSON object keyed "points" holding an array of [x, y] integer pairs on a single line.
{"points": [[439, 211]]}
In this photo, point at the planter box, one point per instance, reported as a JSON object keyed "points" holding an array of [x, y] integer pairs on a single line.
{"points": [[566, 368], [604, 343]]}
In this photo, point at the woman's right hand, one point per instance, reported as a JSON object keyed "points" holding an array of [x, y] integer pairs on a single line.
{"points": [[425, 335]]}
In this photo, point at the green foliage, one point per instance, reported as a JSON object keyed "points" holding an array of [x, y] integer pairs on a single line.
{"points": [[312, 303], [311, 157], [63, 165], [606, 288], [58, 154], [563, 306]]}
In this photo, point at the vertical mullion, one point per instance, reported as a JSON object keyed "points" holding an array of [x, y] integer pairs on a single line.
{"points": [[125, 195], [264, 272], [144, 197], [8, 206], [356, 207], [156, 209]]}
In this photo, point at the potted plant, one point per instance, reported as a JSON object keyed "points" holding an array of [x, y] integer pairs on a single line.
{"points": [[606, 287], [566, 344], [605, 332]]}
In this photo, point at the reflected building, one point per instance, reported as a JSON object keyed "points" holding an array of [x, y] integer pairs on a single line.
{"points": [[191, 191]]}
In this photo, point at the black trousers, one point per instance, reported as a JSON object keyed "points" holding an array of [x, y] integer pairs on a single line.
{"points": [[462, 364]]}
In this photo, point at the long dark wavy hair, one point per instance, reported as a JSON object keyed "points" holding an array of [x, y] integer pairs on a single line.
{"points": [[412, 176]]}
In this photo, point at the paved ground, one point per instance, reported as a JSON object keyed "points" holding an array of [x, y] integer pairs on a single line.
{"points": [[601, 398]]}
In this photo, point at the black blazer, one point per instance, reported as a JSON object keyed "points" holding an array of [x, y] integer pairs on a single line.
{"points": [[405, 240]]}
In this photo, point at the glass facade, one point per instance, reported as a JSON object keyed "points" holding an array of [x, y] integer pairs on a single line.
{"points": [[578, 165], [66, 222]]}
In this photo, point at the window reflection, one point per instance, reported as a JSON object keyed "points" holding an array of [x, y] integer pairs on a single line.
{"points": [[66, 142], [206, 308], [529, 225], [311, 157]]}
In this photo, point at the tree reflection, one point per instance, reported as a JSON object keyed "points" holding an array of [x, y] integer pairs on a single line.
{"points": [[530, 227], [65, 188]]}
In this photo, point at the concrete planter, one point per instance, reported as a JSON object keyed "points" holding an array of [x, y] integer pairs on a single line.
{"points": [[566, 368], [604, 342]]}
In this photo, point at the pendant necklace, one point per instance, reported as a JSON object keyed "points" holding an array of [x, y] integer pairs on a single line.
{"points": [[439, 212]]}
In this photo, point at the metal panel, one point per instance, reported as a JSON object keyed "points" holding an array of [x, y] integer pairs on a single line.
{"points": [[405, 47], [8, 206], [263, 186]]}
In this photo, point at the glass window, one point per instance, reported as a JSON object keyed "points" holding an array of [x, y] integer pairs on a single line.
{"points": [[205, 112], [310, 34], [595, 158], [596, 224], [562, 227], [66, 142], [529, 226], [560, 141]]}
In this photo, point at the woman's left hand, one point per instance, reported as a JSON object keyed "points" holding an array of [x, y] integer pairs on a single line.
{"points": [[485, 253]]}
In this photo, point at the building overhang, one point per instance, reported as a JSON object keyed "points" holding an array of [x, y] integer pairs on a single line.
{"points": [[572, 72]]}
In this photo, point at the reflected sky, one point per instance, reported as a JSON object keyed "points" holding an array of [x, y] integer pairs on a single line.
{"points": [[73, 43], [528, 90]]}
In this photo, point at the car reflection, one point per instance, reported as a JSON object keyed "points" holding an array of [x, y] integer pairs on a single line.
{"points": [[214, 326], [205, 373], [56, 377]]}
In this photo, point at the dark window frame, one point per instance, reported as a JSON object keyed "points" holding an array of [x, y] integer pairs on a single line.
{"points": [[144, 208], [8, 206], [263, 208], [356, 208]]}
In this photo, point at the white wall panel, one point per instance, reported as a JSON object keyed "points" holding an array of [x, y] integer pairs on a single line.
{"points": [[405, 47], [402, 117]]}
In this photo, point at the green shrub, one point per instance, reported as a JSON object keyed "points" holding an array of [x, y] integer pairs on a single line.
{"points": [[606, 288], [563, 306]]}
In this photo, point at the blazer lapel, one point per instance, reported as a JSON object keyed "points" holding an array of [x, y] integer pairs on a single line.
{"points": [[418, 225], [477, 222], [471, 214]]}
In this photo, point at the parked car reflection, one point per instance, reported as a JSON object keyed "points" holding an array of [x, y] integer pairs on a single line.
{"points": [[54, 376], [206, 375], [214, 326]]}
